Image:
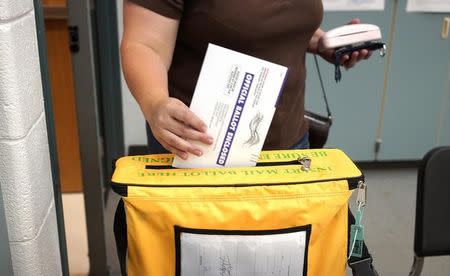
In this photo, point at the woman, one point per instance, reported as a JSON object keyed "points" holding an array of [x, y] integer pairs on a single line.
{"points": [[163, 48]]}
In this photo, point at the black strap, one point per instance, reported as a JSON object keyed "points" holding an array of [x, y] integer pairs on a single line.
{"points": [[361, 266], [323, 87], [120, 234]]}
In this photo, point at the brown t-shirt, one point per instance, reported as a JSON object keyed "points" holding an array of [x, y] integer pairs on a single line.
{"points": [[275, 30]]}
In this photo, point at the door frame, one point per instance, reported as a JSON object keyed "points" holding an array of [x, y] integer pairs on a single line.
{"points": [[51, 133], [96, 71], [107, 54]]}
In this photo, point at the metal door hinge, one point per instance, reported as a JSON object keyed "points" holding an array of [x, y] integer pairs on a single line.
{"points": [[74, 45]]}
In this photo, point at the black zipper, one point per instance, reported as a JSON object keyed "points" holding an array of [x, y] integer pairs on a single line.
{"points": [[122, 189]]}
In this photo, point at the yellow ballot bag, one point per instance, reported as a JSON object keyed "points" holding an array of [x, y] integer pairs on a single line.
{"points": [[286, 216]]}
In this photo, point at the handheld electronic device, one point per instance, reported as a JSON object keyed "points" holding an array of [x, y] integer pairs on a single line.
{"points": [[354, 37], [351, 35]]}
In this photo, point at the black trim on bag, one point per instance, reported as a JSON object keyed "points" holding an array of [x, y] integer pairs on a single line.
{"points": [[120, 189], [120, 236], [178, 230], [123, 191]]}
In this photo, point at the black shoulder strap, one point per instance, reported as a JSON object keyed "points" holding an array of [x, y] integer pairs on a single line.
{"points": [[360, 266], [120, 234], [324, 94]]}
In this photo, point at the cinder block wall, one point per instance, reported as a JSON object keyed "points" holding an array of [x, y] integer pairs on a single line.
{"points": [[25, 171]]}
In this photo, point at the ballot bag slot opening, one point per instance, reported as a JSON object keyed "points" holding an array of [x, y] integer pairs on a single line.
{"points": [[260, 164]]}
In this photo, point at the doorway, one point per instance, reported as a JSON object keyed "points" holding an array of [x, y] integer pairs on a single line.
{"points": [[66, 132], [63, 95]]}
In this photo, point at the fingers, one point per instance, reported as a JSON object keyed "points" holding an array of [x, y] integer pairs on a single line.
{"points": [[354, 21], [188, 132], [353, 60], [173, 142], [350, 61], [182, 154], [175, 135], [178, 135], [369, 54], [344, 60], [173, 124], [183, 114], [178, 145]]}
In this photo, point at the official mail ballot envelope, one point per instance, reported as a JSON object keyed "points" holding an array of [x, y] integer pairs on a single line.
{"points": [[236, 96]]}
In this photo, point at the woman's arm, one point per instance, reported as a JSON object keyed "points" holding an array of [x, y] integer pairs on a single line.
{"points": [[146, 50], [316, 47]]}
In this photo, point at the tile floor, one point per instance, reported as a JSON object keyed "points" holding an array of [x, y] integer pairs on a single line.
{"points": [[76, 234]]}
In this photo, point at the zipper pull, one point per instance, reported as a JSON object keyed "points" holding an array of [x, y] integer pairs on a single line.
{"points": [[361, 197], [305, 162]]}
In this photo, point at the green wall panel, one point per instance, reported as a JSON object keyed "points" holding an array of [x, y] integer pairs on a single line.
{"points": [[444, 133], [418, 80], [355, 101]]}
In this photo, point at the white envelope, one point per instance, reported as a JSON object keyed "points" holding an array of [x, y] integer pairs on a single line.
{"points": [[236, 96]]}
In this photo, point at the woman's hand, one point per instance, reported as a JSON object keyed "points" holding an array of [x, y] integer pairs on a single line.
{"points": [[146, 58], [174, 125], [348, 61]]}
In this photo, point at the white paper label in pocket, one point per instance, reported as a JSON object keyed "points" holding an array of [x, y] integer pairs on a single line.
{"points": [[242, 253]]}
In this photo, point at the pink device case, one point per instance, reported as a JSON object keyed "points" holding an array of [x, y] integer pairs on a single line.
{"points": [[350, 35]]}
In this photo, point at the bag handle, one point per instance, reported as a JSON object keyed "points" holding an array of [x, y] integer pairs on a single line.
{"points": [[323, 87]]}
